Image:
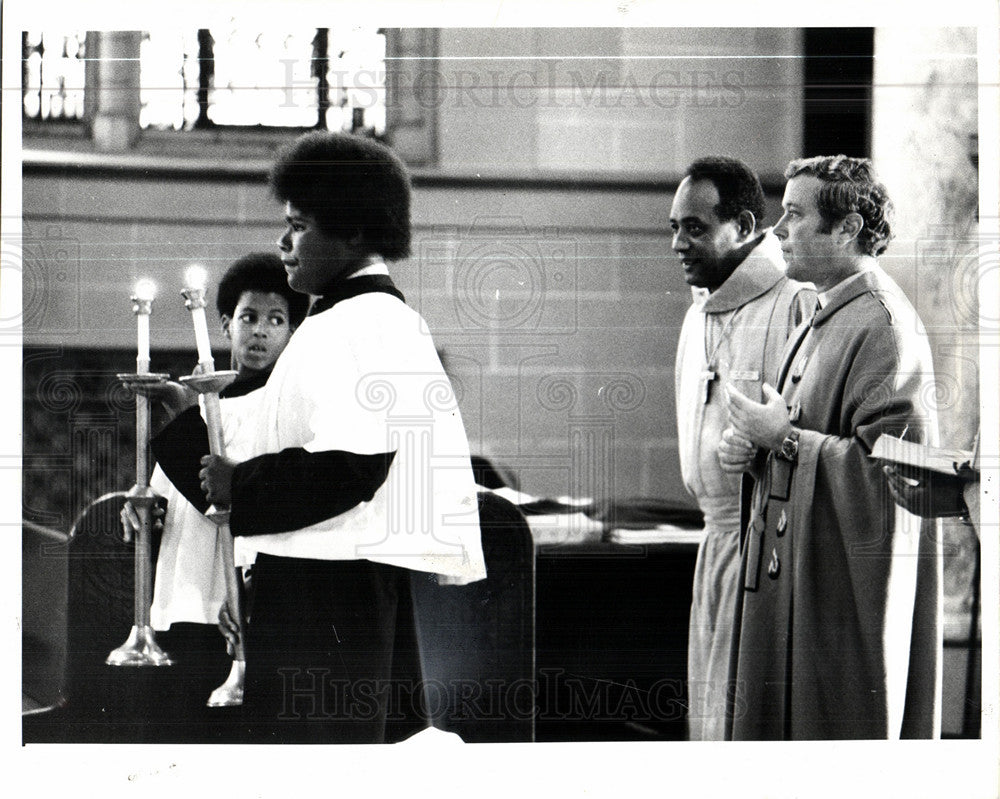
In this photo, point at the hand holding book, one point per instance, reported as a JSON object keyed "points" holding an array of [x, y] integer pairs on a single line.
{"points": [[927, 481], [931, 495]]}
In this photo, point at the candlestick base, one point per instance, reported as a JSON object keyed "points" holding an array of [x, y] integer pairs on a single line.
{"points": [[210, 382], [140, 649], [230, 693]]}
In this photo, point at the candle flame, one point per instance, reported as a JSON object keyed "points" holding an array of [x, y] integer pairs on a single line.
{"points": [[195, 277], [145, 289]]}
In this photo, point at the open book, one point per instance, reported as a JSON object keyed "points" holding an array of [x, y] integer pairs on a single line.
{"points": [[936, 459]]}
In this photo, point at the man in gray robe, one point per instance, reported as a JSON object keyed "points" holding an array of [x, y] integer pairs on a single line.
{"points": [[839, 616]]}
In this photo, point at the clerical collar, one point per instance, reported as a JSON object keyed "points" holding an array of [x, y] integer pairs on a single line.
{"points": [[824, 298]]}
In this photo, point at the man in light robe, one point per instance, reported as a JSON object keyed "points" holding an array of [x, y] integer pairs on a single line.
{"points": [[839, 612], [744, 307]]}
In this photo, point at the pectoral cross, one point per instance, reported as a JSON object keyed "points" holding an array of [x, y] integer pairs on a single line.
{"points": [[707, 377]]}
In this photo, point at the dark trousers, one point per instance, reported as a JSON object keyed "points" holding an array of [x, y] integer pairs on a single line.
{"points": [[331, 650]]}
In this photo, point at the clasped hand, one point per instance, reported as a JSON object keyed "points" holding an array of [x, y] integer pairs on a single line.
{"points": [[131, 522], [229, 628], [216, 476], [763, 424], [752, 425], [735, 452]]}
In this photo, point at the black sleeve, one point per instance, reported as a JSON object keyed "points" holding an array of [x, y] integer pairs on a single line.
{"points": [[178, 449], [295, 488]]}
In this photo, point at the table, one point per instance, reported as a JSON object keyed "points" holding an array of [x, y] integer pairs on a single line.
{"points": [[611, 641]]}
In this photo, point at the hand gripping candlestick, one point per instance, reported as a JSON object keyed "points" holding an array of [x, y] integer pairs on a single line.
{"points": [[141, 648], [209, 383]]}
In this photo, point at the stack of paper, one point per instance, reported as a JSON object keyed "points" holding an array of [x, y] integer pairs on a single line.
{"points": [[661, 534], [909, 453]]}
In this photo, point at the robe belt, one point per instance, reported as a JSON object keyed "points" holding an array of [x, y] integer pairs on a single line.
{"points": [[722, 514]]}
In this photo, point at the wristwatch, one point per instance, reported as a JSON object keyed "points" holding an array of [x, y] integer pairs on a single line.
{"points": [[790, 446]]}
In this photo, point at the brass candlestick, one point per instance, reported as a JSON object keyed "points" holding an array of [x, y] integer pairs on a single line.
{"points": [[209, 383], [141, 649]]}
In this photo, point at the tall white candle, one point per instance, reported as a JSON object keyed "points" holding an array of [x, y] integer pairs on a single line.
{"points": [[194, 282], [201, 335], [142, 303], [143, 348]]}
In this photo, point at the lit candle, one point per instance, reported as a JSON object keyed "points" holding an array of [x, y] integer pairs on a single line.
{"points": [[142, 302], [142, 359], [194, 294]]}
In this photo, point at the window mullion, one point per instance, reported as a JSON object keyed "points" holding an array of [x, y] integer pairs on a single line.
{"points": [[206, 76], [320, 68]]}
